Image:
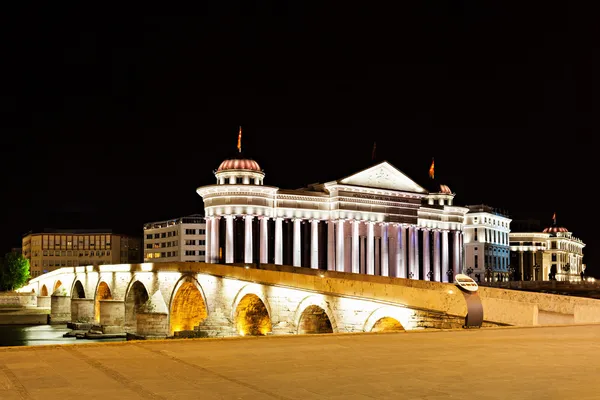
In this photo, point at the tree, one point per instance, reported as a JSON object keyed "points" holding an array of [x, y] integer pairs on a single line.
{"points": [[14, 271]]}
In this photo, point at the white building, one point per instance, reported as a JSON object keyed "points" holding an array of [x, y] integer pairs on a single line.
{"points": [[179, 239], [377, 221], [487, 243], [551, 254]]}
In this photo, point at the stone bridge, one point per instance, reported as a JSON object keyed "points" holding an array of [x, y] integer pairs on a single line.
{"points": [[198, 299]]}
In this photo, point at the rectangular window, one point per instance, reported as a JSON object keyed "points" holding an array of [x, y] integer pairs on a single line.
{"points": [[157, 236], [202, 242], [162, 254], [190, 242], [476, 261], [149, 236], [163, 235], [149, 245], [475, 234], [190, 252], [190, 231], [156, 255], [202, 231]]}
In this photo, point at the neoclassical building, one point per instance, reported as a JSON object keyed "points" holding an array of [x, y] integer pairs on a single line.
{"points": [[377, 221], [553, 253]]}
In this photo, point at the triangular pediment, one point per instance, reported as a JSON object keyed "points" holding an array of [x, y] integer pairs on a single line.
{"points": [[383, 176]]}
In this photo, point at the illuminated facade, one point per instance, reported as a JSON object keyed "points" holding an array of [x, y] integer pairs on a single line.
{"points": [[551, 254], [179, 239], [377, 222], [487, 249], [53, 249]]}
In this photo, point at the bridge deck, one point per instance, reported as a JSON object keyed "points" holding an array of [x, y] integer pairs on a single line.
{"points": [[493, 363]]}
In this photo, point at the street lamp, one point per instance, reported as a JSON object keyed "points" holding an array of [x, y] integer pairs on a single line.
{"points": [[430, 275], [469, 271], [411, 274], [511, 273], [488, 273]]}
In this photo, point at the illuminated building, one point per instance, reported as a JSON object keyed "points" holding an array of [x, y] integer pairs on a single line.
{"points": [[179, 239], [553, 253], [377, 221], [53, 249], [487, 249]]}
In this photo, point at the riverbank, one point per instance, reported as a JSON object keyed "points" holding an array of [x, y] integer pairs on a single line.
{"points": [[24, 316], [36, 335]]}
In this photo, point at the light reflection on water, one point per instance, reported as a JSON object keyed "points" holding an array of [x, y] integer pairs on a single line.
{"points": [[35, 335]]}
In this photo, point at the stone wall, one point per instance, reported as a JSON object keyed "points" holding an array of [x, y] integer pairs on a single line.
{"points": [[17, 300]]}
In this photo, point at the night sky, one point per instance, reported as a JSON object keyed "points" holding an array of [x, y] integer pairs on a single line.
{"points": [[112, 118]]}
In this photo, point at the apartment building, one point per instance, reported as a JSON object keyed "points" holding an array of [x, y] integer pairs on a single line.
{"points": [[56, 248], [178, 239]]}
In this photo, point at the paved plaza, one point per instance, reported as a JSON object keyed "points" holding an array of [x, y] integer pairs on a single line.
{"points": [[492, 363]]}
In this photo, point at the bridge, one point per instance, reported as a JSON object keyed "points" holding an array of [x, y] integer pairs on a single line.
{"points": [[216, 300]]}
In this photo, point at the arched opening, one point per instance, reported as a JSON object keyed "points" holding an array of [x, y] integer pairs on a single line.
{"points": [[78, 292], [187, 309], [44, 291], [137, 296], [57, 286], [314, 320], [103, 293], [387, 324], [252, 317]]}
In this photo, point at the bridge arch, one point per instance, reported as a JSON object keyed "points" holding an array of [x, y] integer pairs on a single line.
{"points": [[44, 291], [57, 285], [187, 306], [388, 319], [103, 292], [314, 315], [135, 297], [251, 312], [77, 291]]}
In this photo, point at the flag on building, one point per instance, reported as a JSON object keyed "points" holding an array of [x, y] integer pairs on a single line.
{"points": [[431, 170]]}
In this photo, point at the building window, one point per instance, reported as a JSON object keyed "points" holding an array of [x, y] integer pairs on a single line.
{"points": [[202, 231], [156, 235], [149, 245], [476, 261], [163, 235], [149, 236], [190, 231], [202, 242], [190, 252], [201, 252], [190, 242], [553, 257]]}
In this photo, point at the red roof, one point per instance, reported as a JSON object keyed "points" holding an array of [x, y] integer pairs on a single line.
{"points": [[243, 164]]}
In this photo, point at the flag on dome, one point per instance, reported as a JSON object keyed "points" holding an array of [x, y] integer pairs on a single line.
{"points": [[431, 170]]}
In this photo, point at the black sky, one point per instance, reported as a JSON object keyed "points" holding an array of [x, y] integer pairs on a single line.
{"points": [[112, 118]]}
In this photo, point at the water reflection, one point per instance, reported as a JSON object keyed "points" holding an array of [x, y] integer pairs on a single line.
{"points": [[28, 335]]}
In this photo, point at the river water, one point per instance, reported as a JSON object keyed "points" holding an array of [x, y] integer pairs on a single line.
{"points": [[35, 335]]}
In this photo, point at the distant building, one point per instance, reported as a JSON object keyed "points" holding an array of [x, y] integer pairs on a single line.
{"points": [[52, 249], [487, 249], [179, 239], [550, 254]]}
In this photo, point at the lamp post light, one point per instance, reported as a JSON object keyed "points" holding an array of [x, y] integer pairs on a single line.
{"points": [[511, 273], [469, 271], [430, 275], [488, 274]]}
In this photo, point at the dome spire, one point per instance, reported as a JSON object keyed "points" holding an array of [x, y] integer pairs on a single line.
{"points": [[239, 144], [431, 169]]}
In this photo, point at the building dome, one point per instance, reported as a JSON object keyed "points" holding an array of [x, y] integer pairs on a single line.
{"points": [[445, 189], [239, 164], [555, 229]]}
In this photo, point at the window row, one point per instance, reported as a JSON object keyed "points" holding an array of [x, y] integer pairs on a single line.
{"points": [[69, 253]]}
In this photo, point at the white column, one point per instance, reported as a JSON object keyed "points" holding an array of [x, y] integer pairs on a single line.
{"points": [[396, 265], [521, 268], [411, 252], [370, 248], [264, 240], [445, 260], [437, 259], [385, 271], [416, 253], [456, 253], [297, 243], [248, 239], [330, 245], [229, 238], [216, 247], [402, 250], [207, 254], [355, 251], [314, 244], [278, 241], [340, 246], [426, 253]]}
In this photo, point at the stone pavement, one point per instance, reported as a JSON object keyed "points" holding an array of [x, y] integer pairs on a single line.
{"points": [[493, 363]]}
